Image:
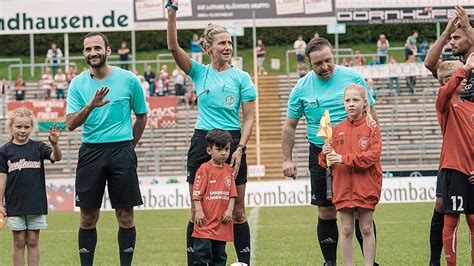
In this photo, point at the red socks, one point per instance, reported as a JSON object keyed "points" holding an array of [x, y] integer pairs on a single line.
{"points": [[451, 223]]}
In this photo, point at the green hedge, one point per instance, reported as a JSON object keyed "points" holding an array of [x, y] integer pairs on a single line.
{"points": [[14, 45]]}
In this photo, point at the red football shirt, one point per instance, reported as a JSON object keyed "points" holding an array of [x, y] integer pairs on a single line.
{"points": [[456, 118], [213, 187]]}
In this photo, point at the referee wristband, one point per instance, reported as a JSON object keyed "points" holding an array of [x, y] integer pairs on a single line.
{"points": [[170, 4]]}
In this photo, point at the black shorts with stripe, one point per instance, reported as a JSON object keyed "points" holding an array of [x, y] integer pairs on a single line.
{"points": [[318, 178], [114, 164], [457, 192], [197, 155]]}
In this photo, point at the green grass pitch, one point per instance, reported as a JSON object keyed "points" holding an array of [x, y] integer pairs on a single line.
{"points": [[284, 236]]}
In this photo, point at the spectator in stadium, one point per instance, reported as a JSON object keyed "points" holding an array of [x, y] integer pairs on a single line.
{"points": [[358, 58], [423, 50], [54, 56], [411, 80], [179, 81], [410, 45], [145, 85], [302, 70], [261, 53], [316, 35], [214, 216], [22, 183], [456, 36], [4, 88], [393, 80], [47, 83], [190, 97], [382, 48], [456, 160], [150, 78], [60, 82], [71, 73], [165, 79], [222, 90], [372, 88], [375, 61], [123, 53], [101, 100], [300, 46], [196, 48], [20, 87], [321, 89], [345, 62], [356, 170]]}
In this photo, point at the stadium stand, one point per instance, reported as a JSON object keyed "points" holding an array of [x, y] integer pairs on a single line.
{"points": [[411, 135]]}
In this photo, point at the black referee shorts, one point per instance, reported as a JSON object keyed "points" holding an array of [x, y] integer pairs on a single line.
{"points": [[318, 178], [457, 192], [112, 163], [197, 155]]}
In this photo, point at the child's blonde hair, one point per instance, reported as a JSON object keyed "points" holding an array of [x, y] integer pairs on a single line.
{"points": [[447, 69], [19, 112], [363, 93], [210, 31]]}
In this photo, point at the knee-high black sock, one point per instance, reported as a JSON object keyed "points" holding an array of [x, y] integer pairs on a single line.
{"points": [[190, 243], [126, 241], [242, 242], [360, 239], [87, 241], [436, 237], [328, 236]]}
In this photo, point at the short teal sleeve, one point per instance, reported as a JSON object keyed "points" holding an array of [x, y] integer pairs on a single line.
{"points": [[74, 103], [248, 92], [295, 106], [196, 70], [139, 105]]}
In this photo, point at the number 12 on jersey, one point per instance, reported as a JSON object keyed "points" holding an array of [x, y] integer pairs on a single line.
{"points": [[456, 207]]}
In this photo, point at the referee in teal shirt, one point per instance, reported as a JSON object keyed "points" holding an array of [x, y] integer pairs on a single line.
{"points": [[102, 99], [222, 91], [319, 90]]}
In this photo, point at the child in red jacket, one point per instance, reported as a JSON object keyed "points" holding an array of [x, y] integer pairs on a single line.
{"points": [[355, 151]]}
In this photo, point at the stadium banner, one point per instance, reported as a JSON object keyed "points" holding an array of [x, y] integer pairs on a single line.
{"points": [[53, 16], [45, 112], [163, 112], [392, 70], [160, 194], [401, 11]]}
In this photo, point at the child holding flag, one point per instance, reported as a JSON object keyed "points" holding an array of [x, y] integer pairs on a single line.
{"points": [[354, 152]]}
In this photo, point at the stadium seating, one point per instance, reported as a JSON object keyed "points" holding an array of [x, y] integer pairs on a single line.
{"points": [[411, 135]]}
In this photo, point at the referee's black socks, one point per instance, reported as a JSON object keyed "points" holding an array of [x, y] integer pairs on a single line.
{"points": [[436, 237], [328, 236], [242, 242], [126, 240], [87, 241]]}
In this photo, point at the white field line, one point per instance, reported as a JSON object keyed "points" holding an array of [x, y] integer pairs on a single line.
{"points": [[253, 224]]}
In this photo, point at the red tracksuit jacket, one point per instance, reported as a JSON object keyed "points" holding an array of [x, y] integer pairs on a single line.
{"points": [[357, 182]]}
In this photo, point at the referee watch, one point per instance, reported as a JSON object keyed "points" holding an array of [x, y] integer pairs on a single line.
{"points": [[243, 146]]}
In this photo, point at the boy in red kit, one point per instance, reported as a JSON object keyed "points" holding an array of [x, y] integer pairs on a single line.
{"points": [[456, 118], [214, 196], [355, 151]]}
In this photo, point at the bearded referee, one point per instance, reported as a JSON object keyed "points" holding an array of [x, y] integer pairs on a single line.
{"points": [[101, 101]]}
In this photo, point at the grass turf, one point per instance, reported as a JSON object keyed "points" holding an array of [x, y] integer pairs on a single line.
{"points": [[285, 236]]}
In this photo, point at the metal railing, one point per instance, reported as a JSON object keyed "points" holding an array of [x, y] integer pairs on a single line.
{"points": [[8, 60], [41, 65]]}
